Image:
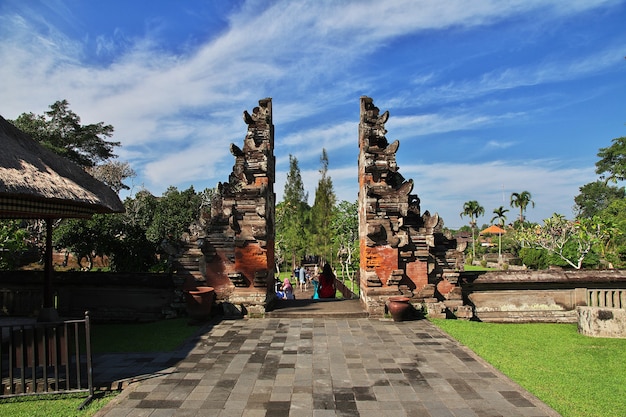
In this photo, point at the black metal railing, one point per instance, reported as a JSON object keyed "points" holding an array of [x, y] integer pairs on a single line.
{"points": [[46, 358]]}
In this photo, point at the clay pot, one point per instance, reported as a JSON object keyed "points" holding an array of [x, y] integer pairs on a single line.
{"points": [[200, 302], [398, 307]]}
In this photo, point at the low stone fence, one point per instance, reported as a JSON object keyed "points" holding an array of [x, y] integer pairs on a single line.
{"points": [[541, 296], [612, 298], [107, 296]]}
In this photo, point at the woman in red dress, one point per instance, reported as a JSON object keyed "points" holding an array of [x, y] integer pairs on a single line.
{"points": [[327, 283]]}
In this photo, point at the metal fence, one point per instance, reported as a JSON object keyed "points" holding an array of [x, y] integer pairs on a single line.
{"points": [[46, 358]]}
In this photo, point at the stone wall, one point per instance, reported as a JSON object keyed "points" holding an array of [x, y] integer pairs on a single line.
{"points": [[109, 297], [541, 296], [402, 251]]}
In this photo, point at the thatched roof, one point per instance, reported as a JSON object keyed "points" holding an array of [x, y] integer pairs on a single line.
{"points": [[494, 230], [37, 183]]}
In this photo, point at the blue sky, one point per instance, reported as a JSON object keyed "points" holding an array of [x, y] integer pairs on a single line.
{"points": [[486, 97]]}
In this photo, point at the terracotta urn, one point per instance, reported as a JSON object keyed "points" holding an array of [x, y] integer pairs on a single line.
{"points": [[199, 302], [398, 307]]}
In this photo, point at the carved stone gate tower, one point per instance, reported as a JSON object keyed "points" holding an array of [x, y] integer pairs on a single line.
{"points": [[402, 252], [239, 244]]}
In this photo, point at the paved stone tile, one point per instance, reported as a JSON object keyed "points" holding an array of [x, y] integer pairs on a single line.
{"points": [[316, 367]]}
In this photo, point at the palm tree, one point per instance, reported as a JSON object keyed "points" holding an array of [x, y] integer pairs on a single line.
{"points": [[521, 200], [472, 209], [499, 215]]}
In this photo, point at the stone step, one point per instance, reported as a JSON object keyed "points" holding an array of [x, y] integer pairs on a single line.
{"points": [[308, 308]]}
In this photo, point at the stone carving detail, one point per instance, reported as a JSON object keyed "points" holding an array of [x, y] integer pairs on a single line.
{"points": [[241, 227], [393, 231]]}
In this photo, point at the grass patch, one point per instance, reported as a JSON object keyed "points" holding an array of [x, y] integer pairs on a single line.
{"points": [[52, 406], [159, 336], [478, 268], [578, 376]]}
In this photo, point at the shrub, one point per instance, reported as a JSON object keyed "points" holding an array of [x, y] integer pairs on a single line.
{"points": [[534, 258]]}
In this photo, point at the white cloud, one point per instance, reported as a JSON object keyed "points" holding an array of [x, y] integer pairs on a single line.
{"points": [[176, 113], [409, 127], [444, 188]]}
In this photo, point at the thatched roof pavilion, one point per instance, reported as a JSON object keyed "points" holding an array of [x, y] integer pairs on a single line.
{"points": [[37, 183]]}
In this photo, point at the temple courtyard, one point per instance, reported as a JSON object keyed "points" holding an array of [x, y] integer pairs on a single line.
{"points": [[315, 366]]}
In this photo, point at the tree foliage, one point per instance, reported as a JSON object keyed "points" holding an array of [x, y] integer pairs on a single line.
{"points": [[595, 197], [473, 210], [322, 213], [345, 227], [571, 241], [113, 173], [174, 213], [522, 201], [293, 217], [12, 242], [131, 240], [59, 129], [500, 215], [535, 258], [613, 247], [612, 164]]}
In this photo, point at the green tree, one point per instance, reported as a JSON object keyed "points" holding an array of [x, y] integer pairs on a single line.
{"points": [[614, 240], [570, 241], [124, 243], [85, 238], [345, 225], [534, 258], [12, 242], [522, 200], [113, 174], [612, 164], [293, 216], [140, 209], [473, 210], [500, 216], [132, 239], [60, 130], [322, 213], [595, 197], [175, 211]]}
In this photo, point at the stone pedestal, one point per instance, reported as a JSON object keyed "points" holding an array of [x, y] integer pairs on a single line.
{"points": [[602, 322]]}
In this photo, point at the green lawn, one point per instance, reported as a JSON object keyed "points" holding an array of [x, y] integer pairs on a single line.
{"points": [[478, 268], [51, 406], [578, 376], [159, 336]]}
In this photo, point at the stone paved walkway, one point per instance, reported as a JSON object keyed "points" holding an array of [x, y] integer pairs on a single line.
{"points": [[322, 367]]}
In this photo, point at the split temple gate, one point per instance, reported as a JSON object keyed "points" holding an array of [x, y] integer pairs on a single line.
{"points": [[238, 246], [403, 252]]}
